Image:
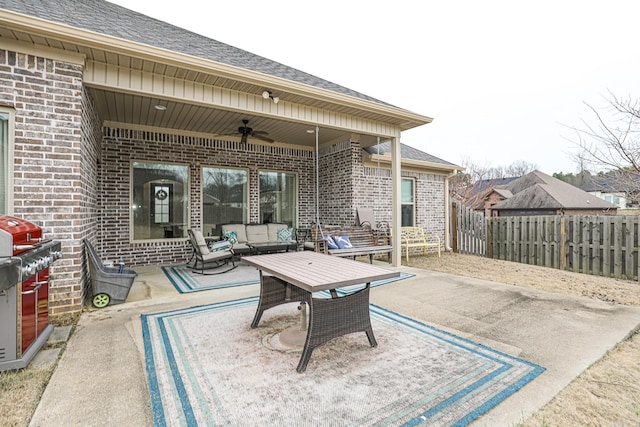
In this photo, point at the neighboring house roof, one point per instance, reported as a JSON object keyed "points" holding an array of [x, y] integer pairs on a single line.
{"points": [[109, 19], [484, 184], [537, 190], [610, 183], [407, 153]]}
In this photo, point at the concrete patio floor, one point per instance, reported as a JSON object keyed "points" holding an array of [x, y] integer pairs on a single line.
{"points": [[101, 377]]}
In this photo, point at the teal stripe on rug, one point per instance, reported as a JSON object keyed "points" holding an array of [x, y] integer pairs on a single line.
{"points": [[186, 281], [205, 365]]}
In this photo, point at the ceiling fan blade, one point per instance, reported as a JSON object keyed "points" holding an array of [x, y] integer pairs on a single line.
{"points": [[257, 135]]}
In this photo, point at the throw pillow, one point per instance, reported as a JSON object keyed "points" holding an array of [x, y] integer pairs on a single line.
{"points": [[284, 234], [231, 236], [222, 245], [331, 244], [343, 242]]}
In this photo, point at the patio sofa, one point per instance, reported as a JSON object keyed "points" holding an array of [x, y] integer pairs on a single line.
{"points": [[241, 235]]}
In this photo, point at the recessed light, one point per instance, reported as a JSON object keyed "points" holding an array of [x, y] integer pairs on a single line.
{"points": [[160, 107]]}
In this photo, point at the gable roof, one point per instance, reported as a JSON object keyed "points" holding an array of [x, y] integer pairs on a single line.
{"points": [[484, 184], [407, 153], [537, 190], [113, 20]]}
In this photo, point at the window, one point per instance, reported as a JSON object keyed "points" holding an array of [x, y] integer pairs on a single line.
{"points": [[6, 161], [224, 198], [160, 200], [278, 198], [408, 202]]}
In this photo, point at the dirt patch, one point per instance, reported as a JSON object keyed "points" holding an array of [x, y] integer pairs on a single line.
{"points": [[608, 392]]}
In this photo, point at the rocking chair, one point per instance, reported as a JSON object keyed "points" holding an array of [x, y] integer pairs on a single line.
{"points": [[205, 258]]}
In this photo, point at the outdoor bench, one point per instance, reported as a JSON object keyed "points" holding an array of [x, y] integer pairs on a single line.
{"points": [[415, 237], [362, 239]]}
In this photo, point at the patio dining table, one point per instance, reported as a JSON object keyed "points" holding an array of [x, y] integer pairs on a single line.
{"points": [[295, 276]]}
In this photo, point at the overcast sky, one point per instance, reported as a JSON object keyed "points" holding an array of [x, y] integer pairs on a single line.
{"points": [[503, 80]]}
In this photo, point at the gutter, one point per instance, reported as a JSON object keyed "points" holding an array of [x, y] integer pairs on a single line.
{"points": [[447, 213]]}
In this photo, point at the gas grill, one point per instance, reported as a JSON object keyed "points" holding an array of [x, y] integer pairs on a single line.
{"points": [[25, 257]]}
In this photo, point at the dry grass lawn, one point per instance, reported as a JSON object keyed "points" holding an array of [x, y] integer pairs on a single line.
{"points": [[608, 392]]}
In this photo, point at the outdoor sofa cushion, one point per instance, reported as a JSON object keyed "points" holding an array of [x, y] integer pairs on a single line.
{"points": [[253, 233]]}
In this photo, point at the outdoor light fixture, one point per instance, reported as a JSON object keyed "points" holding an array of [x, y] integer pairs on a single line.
{"points": [[267, 94], [160, 107]]}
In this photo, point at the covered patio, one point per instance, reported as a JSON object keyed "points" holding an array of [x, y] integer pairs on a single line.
{"points": [[149, 123]]}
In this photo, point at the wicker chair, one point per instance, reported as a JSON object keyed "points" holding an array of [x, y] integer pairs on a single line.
{"points": [[205, 258]]}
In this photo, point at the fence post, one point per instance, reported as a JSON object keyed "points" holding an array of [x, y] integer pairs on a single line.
{"points": [[562, 243], [488, 248], [454, 227]]}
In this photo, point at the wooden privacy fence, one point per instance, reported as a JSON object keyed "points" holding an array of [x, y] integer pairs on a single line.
{"points": [[598, 245], [468, 230]]}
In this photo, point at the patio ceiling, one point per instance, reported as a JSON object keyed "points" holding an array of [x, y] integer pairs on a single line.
{"points": [[120, 109]]}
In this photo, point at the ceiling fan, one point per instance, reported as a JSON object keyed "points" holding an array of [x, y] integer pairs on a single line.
{"points": [[245, 132]]}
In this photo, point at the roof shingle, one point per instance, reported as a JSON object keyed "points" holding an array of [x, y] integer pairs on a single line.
{"points": [[110, 19]]}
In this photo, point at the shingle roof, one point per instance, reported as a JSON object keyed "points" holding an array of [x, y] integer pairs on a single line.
{"points": [[407, 152], [485, 184], [109, 19], [537, 190]]}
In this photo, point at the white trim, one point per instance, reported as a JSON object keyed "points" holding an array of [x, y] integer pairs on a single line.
{"points": [[42, 51], [10, 158]]}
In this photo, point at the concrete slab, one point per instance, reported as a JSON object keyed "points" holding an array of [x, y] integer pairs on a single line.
{"points": [[101, 377], [45, 358], [59, 335]]}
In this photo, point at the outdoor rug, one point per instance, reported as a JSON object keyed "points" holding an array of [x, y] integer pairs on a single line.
{"points": [[206, 366], [185, 280]]}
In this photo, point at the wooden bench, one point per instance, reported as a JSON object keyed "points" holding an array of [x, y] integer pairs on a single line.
{"points": [[362, 238], [415, 237]]}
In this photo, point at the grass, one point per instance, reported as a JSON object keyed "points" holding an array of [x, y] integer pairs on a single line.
{"points": [[21, 390]]}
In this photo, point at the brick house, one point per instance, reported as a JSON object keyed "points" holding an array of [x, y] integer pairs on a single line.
{"points": [[117, 135]]}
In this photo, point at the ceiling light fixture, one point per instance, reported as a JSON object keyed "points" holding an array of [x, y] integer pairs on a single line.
{"points": [[267, 94], [160, 107]]}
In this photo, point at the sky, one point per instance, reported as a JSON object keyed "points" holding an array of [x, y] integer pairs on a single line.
{"points": [[504, 81]]}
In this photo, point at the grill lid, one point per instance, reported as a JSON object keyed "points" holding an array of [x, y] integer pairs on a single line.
{"points": [[17, 235]]}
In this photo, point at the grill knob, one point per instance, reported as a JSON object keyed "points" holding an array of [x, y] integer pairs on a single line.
{"points": [[27, 270]]}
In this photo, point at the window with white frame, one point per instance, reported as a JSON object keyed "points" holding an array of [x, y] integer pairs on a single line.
{"points": [[278, 198], [224, 198], [6, 161], [408, 202], [159, 200]]}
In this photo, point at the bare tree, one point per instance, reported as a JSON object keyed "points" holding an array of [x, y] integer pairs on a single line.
{"points": [[462, 186], [610, 144]]}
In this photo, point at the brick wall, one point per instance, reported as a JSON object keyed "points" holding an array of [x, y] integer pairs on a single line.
{"points": [[346, 184], [121, 146], [336, 184], [48, 185]]}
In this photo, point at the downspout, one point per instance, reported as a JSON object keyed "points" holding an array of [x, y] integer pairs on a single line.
{"points": [[447, 214]]}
